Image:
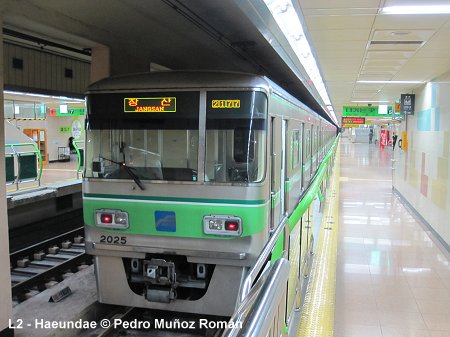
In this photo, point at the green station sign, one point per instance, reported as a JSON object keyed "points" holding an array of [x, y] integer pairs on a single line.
{"points": [[364, 111], [70, 112]]}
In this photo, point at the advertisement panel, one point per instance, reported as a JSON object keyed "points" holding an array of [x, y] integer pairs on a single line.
{"points": [[384, 138]]}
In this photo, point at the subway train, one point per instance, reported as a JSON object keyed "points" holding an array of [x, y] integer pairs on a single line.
{"points": [[187, 173]]}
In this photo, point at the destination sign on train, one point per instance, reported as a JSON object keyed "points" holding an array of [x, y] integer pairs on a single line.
{"points": [[150, 104], [225, 103]]}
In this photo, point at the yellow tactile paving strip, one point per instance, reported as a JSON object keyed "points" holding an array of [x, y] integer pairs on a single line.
{"points": [[318, 310]]}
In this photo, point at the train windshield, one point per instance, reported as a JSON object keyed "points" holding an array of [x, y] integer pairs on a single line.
{"points": [[155, 136], [235, 136]]}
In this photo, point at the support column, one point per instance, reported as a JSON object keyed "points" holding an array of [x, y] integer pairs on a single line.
{"points": [[100, 63], [5, 277]]}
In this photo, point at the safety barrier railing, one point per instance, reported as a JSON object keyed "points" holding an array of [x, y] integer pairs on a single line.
{"points": [[262, 260], [266, 300], [23, 163], [262, 290]]}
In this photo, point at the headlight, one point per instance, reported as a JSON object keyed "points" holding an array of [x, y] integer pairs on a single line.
{"points": [[111, 218], [223, 225]]}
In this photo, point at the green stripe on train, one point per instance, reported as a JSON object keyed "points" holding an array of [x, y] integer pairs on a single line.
{"points": [[308, 198], [189, 216], [172, 199]]}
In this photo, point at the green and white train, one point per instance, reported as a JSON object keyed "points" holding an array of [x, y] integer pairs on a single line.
{"points": [[186, 175]]}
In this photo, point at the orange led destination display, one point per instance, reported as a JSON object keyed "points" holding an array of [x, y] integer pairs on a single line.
{"points": [[226, 103], [353, 120], [150, 104]]}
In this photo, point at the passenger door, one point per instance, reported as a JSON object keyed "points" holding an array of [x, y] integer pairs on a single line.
{"points": [[276, 168]]}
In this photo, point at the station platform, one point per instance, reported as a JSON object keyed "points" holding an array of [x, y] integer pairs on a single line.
{"points": [[55, 173], [380, 270], [392, 274], [58, 193]]}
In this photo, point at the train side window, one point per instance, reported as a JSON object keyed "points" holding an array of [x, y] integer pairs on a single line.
{"points": [[244, 145], [235, 136], [295, 149], [308, 143]]}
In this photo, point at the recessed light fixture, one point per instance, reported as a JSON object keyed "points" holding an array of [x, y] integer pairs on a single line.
{"points": [[438, 9], [400, 33], [389, 82]]}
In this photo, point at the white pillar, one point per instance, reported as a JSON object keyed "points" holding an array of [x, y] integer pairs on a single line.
{"points": [[100, 63], [5, 277]]}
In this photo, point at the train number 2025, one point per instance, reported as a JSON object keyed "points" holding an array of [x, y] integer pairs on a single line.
{"points": [[117, 240]]}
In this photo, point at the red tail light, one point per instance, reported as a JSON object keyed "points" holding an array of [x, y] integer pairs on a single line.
{"points": [[232, 226], [106, 218]]}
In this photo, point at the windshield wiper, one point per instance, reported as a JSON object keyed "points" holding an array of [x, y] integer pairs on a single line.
{"points": [[130, 172]]}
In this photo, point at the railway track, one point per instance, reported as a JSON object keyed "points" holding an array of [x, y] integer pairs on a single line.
{"points": [[40, 266]]}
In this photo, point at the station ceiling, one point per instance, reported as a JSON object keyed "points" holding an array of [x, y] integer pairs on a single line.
{"points": [[352, 40]]}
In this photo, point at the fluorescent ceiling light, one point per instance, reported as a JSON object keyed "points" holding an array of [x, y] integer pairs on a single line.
{"points": [[287, 19], [370, 101], [13, 92], [68, 99], [37, 95], [444, 9], [390, 82]]}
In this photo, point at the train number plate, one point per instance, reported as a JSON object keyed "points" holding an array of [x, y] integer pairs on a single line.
{"points": [[113, 239]]}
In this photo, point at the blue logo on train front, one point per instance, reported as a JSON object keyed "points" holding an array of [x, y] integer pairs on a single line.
{"points": [[165, 221]]}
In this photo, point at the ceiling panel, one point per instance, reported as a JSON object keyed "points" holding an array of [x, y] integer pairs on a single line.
{"points": [[439, 43], [340, 11], [402, 34], [424, 69], [343, 84], [368, 93], [348, 62], [349, 47], [415, 2], [330, 22], [388, 54], [379, 67], [375, 77], [341, 75], [339, 4], [368, 86], [384, 63], [410, 22], [395, 47], [336, 35], [432, 50], [338, 54], [372, 72], [362, 96]]}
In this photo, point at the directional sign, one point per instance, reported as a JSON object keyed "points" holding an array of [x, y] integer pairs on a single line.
{"points": [[407, 102], [364, 111]]}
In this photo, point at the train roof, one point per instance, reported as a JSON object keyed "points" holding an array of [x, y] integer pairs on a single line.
{"points": [[178, 80]]}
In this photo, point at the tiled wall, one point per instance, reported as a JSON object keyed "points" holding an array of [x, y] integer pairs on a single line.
{"points": [[422, 171]]}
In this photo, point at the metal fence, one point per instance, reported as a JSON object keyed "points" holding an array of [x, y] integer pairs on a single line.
{"points": [[23, 163]]}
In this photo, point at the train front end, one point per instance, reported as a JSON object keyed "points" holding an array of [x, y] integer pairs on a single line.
{"points": [[175, 195]]}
